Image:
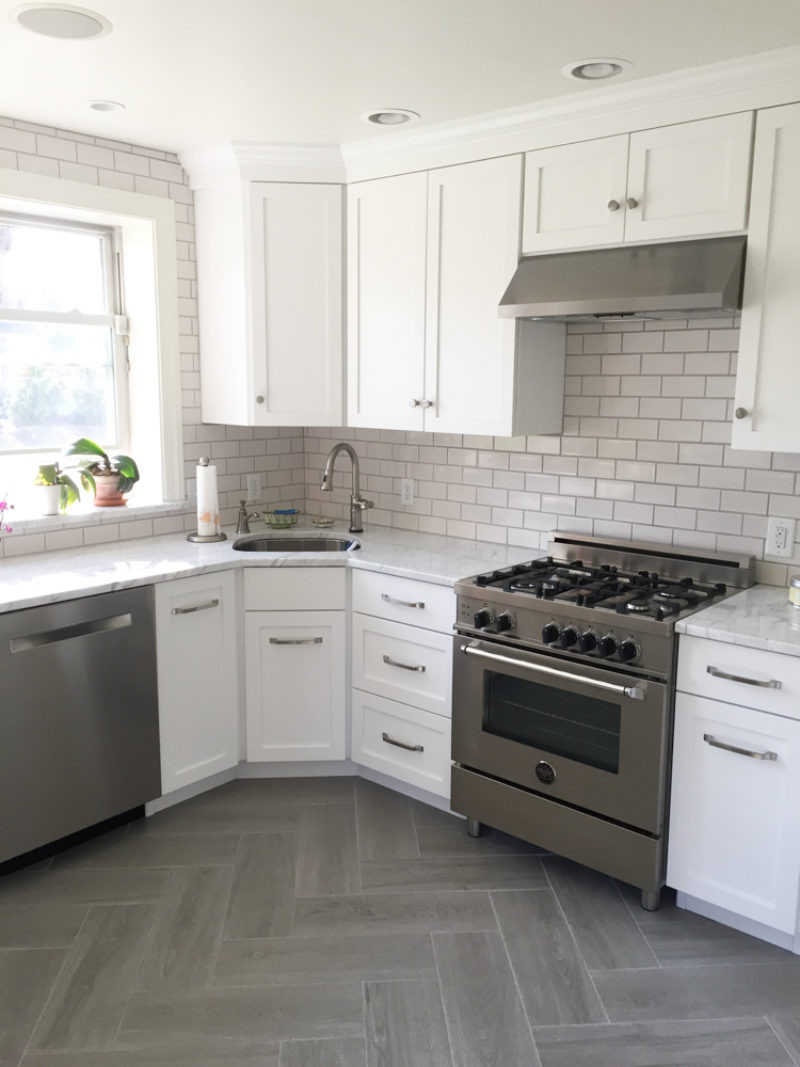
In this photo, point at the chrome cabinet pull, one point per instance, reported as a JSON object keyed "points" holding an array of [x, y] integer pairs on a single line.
{"points": [[295, 640], [773, 683], [196, 607], [401, 744], [27, 642], [711, 740], [403, 603], [635, 692], [406, 666]]}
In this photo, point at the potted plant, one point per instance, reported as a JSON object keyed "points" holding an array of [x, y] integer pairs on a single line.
{"points": [[109, 478], [55, 489]]}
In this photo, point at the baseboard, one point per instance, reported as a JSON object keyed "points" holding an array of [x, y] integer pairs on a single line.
{"points": [[295, 769], [186, 792], [739, 922]]}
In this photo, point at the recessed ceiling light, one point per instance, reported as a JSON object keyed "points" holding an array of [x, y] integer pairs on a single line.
{"points": [[596, 69], [66, 23], [106, 105], [389, 116]]}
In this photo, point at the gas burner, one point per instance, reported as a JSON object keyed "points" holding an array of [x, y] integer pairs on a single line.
{"points": [[637, 606]]}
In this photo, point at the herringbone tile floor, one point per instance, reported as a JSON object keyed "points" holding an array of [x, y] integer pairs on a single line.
{"points": [[332, 923]]}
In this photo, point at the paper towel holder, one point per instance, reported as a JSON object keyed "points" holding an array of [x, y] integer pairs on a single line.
{"points": [[206, 538]]}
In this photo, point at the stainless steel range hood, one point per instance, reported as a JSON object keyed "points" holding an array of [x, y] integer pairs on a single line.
{"points": [[659, 281]]}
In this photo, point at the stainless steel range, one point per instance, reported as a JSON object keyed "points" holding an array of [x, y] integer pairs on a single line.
{"points": [[563, 687]]}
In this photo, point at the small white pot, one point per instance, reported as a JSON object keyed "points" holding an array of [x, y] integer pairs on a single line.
{"points": [[49, 497]]}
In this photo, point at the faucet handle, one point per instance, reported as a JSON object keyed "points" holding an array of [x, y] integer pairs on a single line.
{"points": [[360, 502]]}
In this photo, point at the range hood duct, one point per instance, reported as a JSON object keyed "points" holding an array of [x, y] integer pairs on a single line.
{"points": [[658, 281]]}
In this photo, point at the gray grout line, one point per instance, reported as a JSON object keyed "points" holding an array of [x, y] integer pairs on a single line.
{"points": [[447, 1024], [789, 1051], [516, 982]]}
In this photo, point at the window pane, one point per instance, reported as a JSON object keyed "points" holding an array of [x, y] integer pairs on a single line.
{"points": [[56, 384], [51, 269]]}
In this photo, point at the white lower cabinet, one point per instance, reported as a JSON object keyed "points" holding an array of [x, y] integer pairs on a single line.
{"points": [[198, 698]]}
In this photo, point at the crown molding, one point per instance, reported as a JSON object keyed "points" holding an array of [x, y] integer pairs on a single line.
{"points": [[250, 161]]}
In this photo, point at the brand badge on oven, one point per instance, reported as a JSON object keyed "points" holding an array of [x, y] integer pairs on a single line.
{"points": [[545, 772]]}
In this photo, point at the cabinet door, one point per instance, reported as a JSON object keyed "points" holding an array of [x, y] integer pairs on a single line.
{"points": [[473, 250], [689, 179], [386, 301], [768, 375], [568, 190], [295, 670], [296, 304], [198, 697], [735, 818]]}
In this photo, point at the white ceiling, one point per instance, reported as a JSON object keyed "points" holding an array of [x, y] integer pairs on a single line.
{"points": [[199, 72]]}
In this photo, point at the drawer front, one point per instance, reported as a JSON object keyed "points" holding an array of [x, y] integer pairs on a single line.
{"points": [[405, 742], [751, 677], [295, 589], [403, 663], [404, 600]]}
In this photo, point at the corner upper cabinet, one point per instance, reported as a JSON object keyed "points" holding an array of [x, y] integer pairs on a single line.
{"points": [[675, 181], [768, 373], [430, 255], [269, 277]]}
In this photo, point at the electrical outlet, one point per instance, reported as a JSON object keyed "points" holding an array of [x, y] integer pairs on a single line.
{"points": [[780, 538], [253, 486], [406, 491]]}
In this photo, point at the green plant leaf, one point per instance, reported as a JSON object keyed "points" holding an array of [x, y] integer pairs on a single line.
{"points": [[48, 474], [84, 447], [69, 492], [127, 469], [87, 481]]}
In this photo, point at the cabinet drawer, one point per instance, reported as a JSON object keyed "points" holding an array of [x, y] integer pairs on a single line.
{"points": [[752, 677], [403, 663], [404, 600], [295, 589], [407, 743]]}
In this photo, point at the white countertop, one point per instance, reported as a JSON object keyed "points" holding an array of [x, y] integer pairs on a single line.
{"points": [[45, 578], [761, 617]]}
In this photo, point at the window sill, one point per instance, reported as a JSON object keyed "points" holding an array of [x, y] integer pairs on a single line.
{"points": [[24, 522]]}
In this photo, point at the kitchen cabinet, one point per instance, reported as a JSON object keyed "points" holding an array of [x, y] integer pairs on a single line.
{"points": [[768, 371], [429, 256], [735, 808], [295, 664], [198, 680], [269, 263], [401, 700], [670, 182]]}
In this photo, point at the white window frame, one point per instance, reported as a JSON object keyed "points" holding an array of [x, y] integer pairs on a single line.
{"points": [[146, 228]]}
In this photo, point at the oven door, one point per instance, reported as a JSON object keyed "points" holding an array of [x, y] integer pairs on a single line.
{"points": [[593, 738]]}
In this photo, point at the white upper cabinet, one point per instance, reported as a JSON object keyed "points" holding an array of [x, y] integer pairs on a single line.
{"points": [[430, 257], [675, 181], [768, 374], [269, 259]]}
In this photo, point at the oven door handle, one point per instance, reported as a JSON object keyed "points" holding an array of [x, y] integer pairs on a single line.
{"points": [[635, 692]]}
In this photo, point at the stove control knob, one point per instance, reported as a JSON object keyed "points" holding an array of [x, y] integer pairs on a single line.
{"points": [[587, 641], [606, 646], [628, 650], [506, 621], [569, 636], [483, 618], [551, 633]]}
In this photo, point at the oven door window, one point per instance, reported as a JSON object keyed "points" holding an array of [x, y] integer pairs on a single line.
{"points": [[581, 728]]}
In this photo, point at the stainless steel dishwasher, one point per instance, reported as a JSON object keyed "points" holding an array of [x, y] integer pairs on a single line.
{"points": [[78, 716]]}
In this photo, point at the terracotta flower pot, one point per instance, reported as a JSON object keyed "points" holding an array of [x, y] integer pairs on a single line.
{"points": [[107, 495]]}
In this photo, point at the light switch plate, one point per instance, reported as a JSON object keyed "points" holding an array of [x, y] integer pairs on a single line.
{"points": [[780, 538], [253, 486]]}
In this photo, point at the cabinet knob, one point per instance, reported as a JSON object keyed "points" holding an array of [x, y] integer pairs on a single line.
{"points": [[741, 413], [422, 403], [613, 205], [632, 202], [259, 399]]}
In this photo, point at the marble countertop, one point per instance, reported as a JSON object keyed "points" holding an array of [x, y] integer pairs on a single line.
{"points": [[28, 581], [761, 617]]}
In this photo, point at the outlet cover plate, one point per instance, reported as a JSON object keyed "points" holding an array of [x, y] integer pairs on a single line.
{"points": [[780, 538], [406, 491], [253, 486]]}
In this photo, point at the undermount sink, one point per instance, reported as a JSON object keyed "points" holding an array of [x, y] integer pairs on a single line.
{"points": [[266, 543]]}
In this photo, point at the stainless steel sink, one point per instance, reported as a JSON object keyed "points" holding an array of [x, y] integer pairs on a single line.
{"points": [[268, 543]]}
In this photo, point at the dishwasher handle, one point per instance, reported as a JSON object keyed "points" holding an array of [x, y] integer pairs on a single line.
{"points": [[27, 642]]}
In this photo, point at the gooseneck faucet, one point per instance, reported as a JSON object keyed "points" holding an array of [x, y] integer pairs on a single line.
{"points": [[357, 503]]}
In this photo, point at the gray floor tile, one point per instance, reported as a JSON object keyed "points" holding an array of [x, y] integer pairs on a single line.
{"points": [[223, 1018], [454, 872], [700, 992], [787, 1027], [44, 927], [262, 898], [26, 978], [393, 913], [385, 825], [553, 980], [257, 1054], [405, 1025], [87, 1001], [326, 860], [453, 840], [140, 848], [279, 960], [187, 927], [718, 1043], [112, 886], [427, 815], [485, 1020], [602, 924], [326, 1052]]}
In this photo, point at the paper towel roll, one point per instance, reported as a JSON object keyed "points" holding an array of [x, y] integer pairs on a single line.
{"points": [[207, 500]]}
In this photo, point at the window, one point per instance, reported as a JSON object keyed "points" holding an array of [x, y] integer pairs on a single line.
{"points": [[62, 353]]}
